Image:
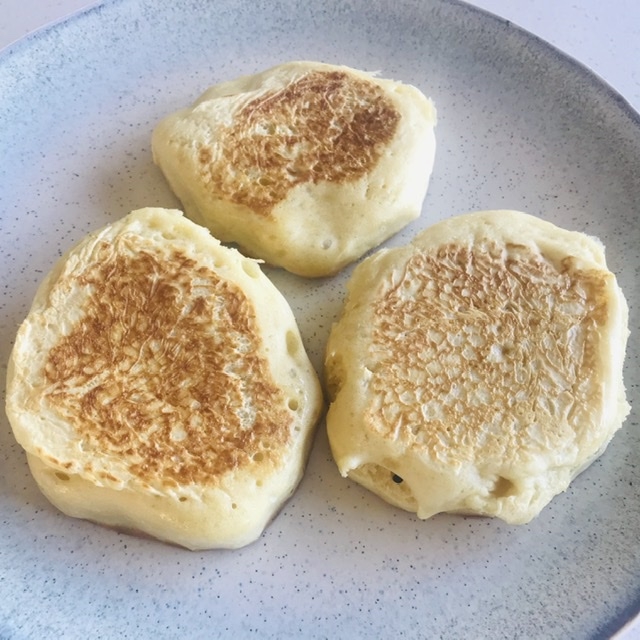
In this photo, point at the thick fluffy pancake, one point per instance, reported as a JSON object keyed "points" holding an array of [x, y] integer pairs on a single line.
{"points": [[306, 165], [478, 369], [160, 384]]}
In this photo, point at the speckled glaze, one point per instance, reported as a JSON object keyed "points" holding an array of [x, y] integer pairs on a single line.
{"points": [[520, 126]]}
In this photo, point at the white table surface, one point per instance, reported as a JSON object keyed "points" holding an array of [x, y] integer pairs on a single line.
{"points": [[604, 36]]}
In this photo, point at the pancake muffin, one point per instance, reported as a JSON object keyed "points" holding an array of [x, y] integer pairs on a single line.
{"points": [[306, 165], [478, 369], [159, 384]]}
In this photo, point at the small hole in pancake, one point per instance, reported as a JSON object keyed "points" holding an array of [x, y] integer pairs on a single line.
{"points": [[258, 457], [182, 498], [293, 404], [234, 505], [327, 243], [293, 344], [62, 476], [251, 268], [386, 483], [503, 487], [258, 483]]}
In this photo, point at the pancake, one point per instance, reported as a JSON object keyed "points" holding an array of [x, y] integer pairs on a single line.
{"points": [[306, 165], [159, 384], [478, 369]]}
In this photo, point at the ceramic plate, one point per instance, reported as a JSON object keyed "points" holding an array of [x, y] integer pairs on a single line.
{"points": [[520, 126]]}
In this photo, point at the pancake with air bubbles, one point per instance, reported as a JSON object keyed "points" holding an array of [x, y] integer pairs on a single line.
{"points": [[478, 369], [305, 165], [159, 384]]}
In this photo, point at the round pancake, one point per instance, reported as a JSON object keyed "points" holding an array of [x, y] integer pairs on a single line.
{"points": [[159, 384], [478, 369], [305, 165]]}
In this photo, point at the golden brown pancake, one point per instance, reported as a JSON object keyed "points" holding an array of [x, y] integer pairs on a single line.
{"points": [[160, 384], [478, 369], [305, 165]]}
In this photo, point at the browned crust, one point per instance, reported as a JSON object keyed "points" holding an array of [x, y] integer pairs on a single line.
{"points": [[163, 370], [325, 126], [487, 349]]}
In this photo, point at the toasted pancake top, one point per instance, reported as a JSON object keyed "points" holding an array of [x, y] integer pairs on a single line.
{"points": [[324, 126], [487, 349], [163, 368]]}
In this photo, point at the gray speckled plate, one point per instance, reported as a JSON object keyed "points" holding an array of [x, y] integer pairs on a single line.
{"points": [[520, 126]]}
